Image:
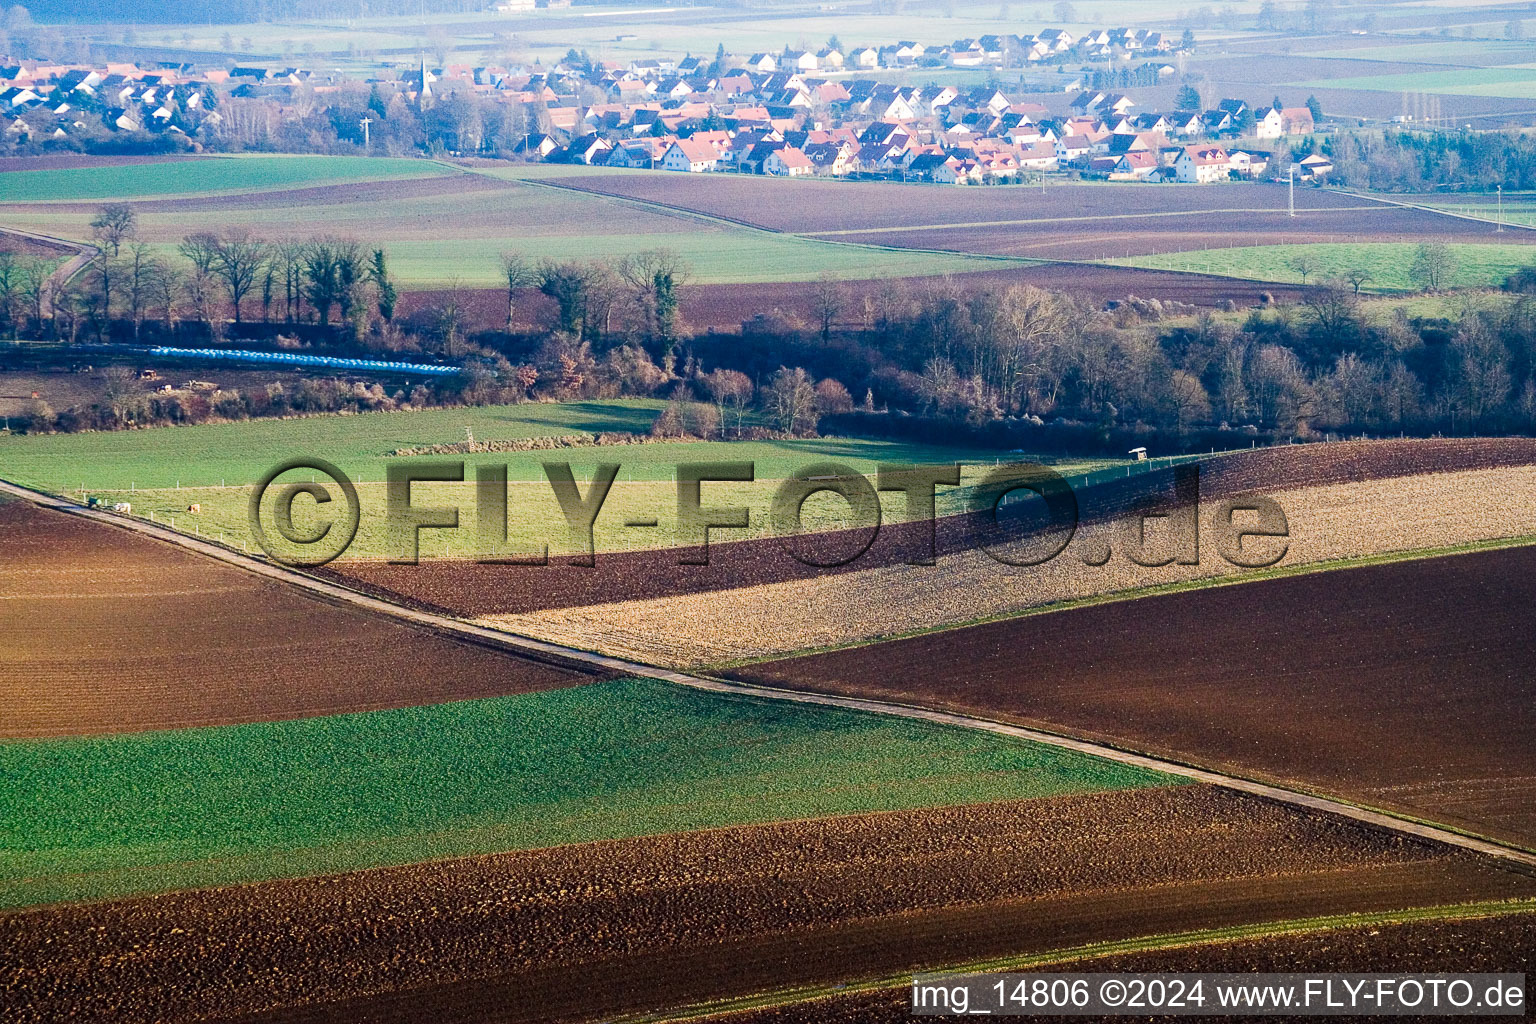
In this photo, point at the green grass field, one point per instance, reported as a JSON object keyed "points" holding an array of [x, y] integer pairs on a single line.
{"points": [[206, 176], [1515, 83], [108, 816], [1478, 266], [1516, 209], [1471, 52], [162, 471]]}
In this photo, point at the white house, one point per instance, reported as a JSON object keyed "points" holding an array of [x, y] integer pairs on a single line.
{"points": [[690, 155], [788, 162], [1268, 123], [801, 60], [1202, 164], [865, 57]]}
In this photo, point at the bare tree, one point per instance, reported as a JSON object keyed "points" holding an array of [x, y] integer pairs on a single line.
{"points": [[110, 228], [238, 260], [1358, 278], [1189, 399], [519, 273], [69, 308], [730, 389], [165, 291], [10, 289], [199, 285], [114, 225], [653, 278], [1433, 265], [351, 284], [141, 267], [35, 275], [287, 264], [1304, 265], [828, 300], [791, 400]]}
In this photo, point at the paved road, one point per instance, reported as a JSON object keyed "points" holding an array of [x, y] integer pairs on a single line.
{"points": [[1515, 858], [82, 258]]}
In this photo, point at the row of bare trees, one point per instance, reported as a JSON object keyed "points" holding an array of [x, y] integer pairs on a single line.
{"points": [[643, 287], [211, 275]]}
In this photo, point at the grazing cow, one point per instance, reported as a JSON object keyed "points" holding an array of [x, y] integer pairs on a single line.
{"points": [[194, 509]]}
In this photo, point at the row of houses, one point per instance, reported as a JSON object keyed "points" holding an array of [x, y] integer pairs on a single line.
{"points": [[993, 50], [932, 132], [902, 150], [696, 115]]}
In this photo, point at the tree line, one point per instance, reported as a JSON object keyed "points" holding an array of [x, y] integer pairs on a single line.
{"points": [[938, 350], [1415, 160]]}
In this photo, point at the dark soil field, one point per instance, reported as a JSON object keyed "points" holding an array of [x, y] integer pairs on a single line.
{"points": [[1069, 222], [726, 306], [1110, 238], [484, 589], [820, 206], [1407, 686], [107, 631], [587, 932], [1487, 945]]}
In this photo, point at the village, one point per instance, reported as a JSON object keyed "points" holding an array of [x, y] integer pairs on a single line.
{"points": [[826, 113]]}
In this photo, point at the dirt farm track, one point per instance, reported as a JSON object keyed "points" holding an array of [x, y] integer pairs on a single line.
{"points": [[1480, 945]]}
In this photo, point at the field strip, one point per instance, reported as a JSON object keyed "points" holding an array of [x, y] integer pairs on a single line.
{"points": [[1061, 220], [810, 236], [1523, 860], [1151, 590], [1099, 950], [1429, 209], [243, 190]]}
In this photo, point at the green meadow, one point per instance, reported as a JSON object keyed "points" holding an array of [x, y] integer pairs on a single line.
{"points": [[163, 471], [1389, 263], [205, 176], [99, 817], [1515, 83]]}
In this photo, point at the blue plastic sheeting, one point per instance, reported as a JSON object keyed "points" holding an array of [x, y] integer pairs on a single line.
{"points": [[295, 359]]}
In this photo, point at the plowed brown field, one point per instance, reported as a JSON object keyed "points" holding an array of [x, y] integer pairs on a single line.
{"points": [[726, 306], [823, 205], [1482, 945], [1117, 237], [108, 631], [586, 932], [1408, 686]]}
